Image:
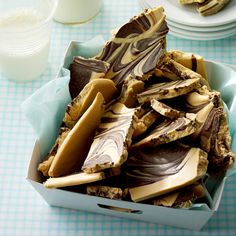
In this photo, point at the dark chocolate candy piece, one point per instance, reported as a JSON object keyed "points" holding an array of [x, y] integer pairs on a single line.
{"points": [[83, 70]]}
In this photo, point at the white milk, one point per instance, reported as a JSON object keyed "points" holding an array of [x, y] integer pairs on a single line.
{"points": [[24, 44], [77, 11]]}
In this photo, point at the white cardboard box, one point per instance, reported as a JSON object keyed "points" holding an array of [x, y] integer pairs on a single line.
{"points": [[194, 218]]}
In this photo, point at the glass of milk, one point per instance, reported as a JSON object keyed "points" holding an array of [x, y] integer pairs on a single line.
{"points": [[77, 11], [25, 29]]}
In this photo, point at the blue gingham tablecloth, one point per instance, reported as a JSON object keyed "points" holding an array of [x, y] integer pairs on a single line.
{"points": [[22, 210]]}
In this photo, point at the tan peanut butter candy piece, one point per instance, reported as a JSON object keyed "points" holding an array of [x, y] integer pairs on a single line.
{"points": [[181, 198], [165, 110], [106, 191], [169, 131], [168, 90], [80, 178], [143, 123], [136, 47], [168, 170], [73, 151], [79, 104], [210, 7], [131, 87], [189, 60], [83, 70], [109, 147], [190, 1], [45, 165]]}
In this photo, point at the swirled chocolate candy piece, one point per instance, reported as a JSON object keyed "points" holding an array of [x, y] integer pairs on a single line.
{"points": [[210, 7], [192, 61], [136, 47], [83, 70], [165, 110], [155, 171], [181, 198], [109, 147], [45, 165], [80, 178], [80, 103], [106, 191], [168, 90], [131, 87], [169, 131], [144, 122], [190, 1], [73, 151], [175, 71], [215, 138]]}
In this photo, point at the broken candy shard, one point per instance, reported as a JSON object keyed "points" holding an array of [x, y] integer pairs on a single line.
{"points": [[106, 191], [137, 46], [168, 90], [80, 178], [109, 148], [80, 104], [83, 70], [210, 7], [164, 110], [73, 151], [191, 61], [169, 131], [168, 170]]}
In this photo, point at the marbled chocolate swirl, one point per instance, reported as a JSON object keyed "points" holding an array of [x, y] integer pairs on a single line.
{"points": [[137, 46], [109, 148], [150, 165]]}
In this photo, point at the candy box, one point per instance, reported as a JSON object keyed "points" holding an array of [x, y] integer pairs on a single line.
{"points": [[49, 104]]}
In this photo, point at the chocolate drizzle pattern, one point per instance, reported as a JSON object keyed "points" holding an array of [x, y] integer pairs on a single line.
{"points": [[110, 143], [137, 46], [150, 165]]}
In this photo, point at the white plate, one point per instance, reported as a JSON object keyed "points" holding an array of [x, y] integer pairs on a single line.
{"points": [[202, 29], [188, 14], [214, 34], [188, 35]]}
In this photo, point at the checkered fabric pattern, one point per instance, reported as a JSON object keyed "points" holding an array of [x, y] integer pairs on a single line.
{"points": [[22, 210]]}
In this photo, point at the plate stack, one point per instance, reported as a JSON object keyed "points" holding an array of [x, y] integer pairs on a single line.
{"points": [[184, 21]]}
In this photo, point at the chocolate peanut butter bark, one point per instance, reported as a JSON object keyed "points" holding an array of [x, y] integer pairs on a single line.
{"points": [[106, 191], [210, 7], [83, 70], [215, 138], [80, 178], [142, 123], [168, 89], [173, 70], [136, 47], [192, 61], [190, 1], [155, 171], [109, 147], [131, 87], [80, 103], [169, 131], [181, 198], [164, 109], [45, 165], [73, 151]]}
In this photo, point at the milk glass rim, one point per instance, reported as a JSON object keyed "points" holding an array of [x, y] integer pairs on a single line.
{"points": [[40, 25]]}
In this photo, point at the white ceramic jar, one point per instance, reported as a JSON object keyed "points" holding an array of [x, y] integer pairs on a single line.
{"points": [[77, 11]]}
